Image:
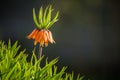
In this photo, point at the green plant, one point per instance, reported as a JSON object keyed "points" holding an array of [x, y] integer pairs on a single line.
{"points": [[14, 66], [43, 21]]}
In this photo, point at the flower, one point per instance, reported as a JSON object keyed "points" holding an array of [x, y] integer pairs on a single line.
{"points": [[41, 36], [44, 21]]}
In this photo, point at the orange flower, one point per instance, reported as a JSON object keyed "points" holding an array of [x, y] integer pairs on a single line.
{"points": [[41, 36]]}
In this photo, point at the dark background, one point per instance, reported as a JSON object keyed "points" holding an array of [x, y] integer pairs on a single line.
{"points": [[87, 34]]}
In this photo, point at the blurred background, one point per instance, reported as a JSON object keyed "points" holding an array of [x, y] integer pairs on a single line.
{"points": [[86, 35]]}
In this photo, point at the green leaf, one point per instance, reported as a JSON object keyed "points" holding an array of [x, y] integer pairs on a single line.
{"points": [[66, 77], [55, 70], [81, 78], [15, 48], [47, 67], [56, 16], [45, 17], [35, 19], [9, 44], [49, 14], [71, 76], [41, 16], [11, 71], [59, 75], [53, 21], [20, 56], [18, 68]]}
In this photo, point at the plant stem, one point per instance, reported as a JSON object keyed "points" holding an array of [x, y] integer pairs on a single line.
{"points": [[40, 52], [34, 49]]}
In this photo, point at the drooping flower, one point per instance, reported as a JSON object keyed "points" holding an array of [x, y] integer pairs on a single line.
{"points": [[41, 34]]}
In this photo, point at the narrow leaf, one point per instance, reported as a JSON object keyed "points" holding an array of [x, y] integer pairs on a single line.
{"points": [[11, 71], [44, 17], [41, 16], [49, 14], [56, 16], [35, 19]]}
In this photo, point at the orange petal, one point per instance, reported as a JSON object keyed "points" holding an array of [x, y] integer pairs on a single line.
{"points": [[50, 37], [37, 37], [41, 36], [35, 42], [46, 44], [45, 36], [35, 34], [41, 42], [31, 34]]}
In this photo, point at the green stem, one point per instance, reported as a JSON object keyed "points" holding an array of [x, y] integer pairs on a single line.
{"points": [[34, 49]]}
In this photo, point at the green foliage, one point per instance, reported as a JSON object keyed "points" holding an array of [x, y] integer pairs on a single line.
{"points": [[44, 20], [14, 66]]}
